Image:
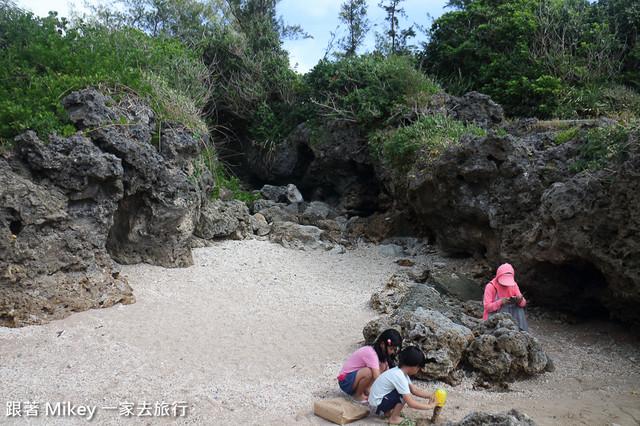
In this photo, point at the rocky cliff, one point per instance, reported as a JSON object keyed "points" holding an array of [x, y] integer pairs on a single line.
{"points": [[512, 196], [69, 206], [572, 237], [124, 188]]}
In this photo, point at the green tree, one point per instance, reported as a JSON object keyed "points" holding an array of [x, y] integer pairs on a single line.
{"points": [[188, 20], [254, 90], [623, 18], [458, 4], [394, 39], [573, 43], [469, 47], [370, 90], [535, 57], [258, 18], [353, 14]]}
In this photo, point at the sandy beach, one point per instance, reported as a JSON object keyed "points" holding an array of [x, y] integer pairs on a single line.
{"points": [[254, 334]]}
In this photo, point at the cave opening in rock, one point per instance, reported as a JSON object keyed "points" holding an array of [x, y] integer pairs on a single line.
{"points": [[577, 287], [123, 219], [15, 223], [15, 226], [272, 169]]}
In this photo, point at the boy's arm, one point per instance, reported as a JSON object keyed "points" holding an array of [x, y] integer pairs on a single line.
{"points": [[408, 398], [419, 392]]}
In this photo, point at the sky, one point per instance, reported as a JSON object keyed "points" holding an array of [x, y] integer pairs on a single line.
{"points": [[320, 17], [316, 17]]}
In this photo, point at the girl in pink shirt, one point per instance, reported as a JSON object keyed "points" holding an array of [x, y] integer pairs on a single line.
{"points": [[366, 364], [503, 295]]}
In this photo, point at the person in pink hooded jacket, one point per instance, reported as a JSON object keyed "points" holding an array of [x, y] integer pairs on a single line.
{"points": [[503, 295]]}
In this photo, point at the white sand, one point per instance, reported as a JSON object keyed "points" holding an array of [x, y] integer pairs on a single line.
{"points": [[254, 333]]}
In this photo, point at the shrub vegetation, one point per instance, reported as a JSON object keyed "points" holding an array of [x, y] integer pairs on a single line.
{"points": [[403, 148], [542, 58], [371, 90], [601, 145], [222, 63], [44, 59]]}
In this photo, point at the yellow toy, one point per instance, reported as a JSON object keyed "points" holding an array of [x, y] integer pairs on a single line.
{"points": [[441, 397]]}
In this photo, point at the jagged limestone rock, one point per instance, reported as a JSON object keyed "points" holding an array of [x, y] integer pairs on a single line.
{"points": [[71, 205], [502, 353]]}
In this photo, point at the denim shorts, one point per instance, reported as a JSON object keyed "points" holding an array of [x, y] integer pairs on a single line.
{"points": [[346, 384], [388, 403]]}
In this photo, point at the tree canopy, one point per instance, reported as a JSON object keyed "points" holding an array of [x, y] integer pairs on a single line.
{"points": [[543, 58], [353, 14], [536, 57]]}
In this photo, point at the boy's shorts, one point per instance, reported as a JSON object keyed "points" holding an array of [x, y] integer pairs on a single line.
{"points": [[388, 403], [346, 384]]}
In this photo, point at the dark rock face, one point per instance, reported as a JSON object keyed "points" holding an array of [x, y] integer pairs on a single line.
{"points": [[159, 209], [286, 163], [67, 208], [332, 166], [572, 238], [475, 108], [56, 212]]}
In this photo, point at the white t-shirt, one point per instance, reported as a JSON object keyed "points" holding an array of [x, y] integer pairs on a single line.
{"points": [[391, 379]]}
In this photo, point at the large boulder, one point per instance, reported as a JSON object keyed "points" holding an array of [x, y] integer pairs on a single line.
{"points": [[502, 353], [301, 237], [276, 212], [475, 108], [223, 219], [159, 210], [471, 108], [449, 330], [282, 194], [315, 212], [457, 285], [442, 341], [392, 295], [447, 294]]}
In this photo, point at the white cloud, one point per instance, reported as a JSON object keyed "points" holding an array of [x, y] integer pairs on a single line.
{"points": [[43, 7]]}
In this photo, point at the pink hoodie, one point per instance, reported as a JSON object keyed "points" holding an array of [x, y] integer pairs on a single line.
{"points": [[489, 301]]}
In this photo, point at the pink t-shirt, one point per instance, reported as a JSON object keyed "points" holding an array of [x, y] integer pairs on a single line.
{"points": [[491, 304], [364, 357]]}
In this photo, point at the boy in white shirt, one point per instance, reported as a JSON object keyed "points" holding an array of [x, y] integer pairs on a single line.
{"points": [[393, 389]]}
